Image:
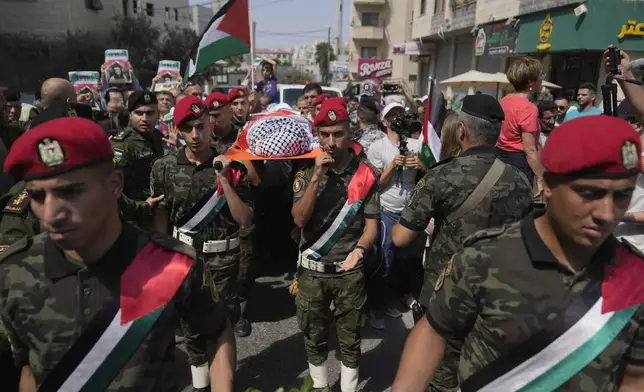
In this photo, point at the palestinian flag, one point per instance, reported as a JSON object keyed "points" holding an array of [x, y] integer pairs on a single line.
{"points": [[434, 115], [227, 35]]}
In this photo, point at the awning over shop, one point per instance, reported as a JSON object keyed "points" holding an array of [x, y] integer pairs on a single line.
{"points": [[560, 30]]}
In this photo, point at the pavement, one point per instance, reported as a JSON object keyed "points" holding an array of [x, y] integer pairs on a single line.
{"points": [[273, 355]]}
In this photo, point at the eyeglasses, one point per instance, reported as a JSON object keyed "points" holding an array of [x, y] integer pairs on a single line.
{"points": [[561, 107]]}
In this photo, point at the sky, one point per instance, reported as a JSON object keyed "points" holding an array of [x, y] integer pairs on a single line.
{"points": [[288, 23]]}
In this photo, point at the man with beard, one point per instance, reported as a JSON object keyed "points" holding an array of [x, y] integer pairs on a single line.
{"points": [[207, 202], [586, 95], [137, 146], [98, 276], [238, 98], [547, 118]]}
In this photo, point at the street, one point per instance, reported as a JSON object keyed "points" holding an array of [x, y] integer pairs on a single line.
{"points": [[273, 356]]}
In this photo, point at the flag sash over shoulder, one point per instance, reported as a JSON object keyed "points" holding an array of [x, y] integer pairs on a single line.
{"points": [[116, 332], [358, 189], [574, 338]]}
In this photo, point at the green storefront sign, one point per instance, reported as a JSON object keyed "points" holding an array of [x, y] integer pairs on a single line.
{"points": [[607, 22]]}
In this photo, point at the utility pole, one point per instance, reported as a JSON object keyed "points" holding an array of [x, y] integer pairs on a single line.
{"points": [[325, 77], [338, 29]]}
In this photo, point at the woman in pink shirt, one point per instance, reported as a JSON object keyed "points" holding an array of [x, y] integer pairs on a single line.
{"points": [[519, 139]]}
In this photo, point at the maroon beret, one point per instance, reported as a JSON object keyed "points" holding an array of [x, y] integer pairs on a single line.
{"points": [[187, 109], [593, 146], [216, 100], [321, 98], [332, 112], [58, 146], [237, 92]]}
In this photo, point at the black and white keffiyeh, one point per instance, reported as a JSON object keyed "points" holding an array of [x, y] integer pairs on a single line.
{"points": [[280, 134]]}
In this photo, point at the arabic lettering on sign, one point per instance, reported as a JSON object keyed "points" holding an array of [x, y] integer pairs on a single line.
{"points": [[631, 28]]}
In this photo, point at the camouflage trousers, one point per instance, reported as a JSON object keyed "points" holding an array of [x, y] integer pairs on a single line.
{"points": [[313, 301], [446, 377], [247, 261]]}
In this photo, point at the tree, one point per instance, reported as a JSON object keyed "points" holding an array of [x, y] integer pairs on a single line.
{"points": [[323, 57]]}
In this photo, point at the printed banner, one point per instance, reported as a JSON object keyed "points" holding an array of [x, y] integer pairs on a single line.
{"points": [[374, 68], [340, 70], [85, 82], [496, 40], [117, 66], [168, 75]]}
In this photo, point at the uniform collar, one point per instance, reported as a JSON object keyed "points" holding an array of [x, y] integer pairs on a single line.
{"points": [[182, 158], [111, 265], [539, 252], [351, 167], [477, 150], [232, 135]]}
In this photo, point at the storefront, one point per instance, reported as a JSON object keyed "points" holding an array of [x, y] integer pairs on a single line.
{"points": [[571, 46]]}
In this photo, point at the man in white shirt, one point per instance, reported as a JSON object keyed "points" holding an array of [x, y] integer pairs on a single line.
{"points": [[398, 173]]}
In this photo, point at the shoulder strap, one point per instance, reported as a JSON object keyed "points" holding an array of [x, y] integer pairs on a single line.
{"points": [[482, 189]]}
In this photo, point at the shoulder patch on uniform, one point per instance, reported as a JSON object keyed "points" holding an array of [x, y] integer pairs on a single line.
{"points": [[298, 184], [122, 135], [19, 204], [444, 161], [172, 244], [483, 234], [16, 247]]}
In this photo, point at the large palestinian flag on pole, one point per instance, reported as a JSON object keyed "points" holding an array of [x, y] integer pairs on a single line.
{"points": [[227, 35], [434, 115]]}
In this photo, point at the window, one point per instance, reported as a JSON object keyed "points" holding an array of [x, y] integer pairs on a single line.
{"points": [[95, 5], [423, 6], [176, 15], [369, 52], [167, 13], [439, 6], [369, 19], [135, 6], [149, 9], [126, 9]]}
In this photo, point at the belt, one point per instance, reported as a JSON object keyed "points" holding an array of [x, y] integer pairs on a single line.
{"points": [[208, 246], [317, 266]]}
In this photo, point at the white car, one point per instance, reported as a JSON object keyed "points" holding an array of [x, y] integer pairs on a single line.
{"points": [[289, 93]]}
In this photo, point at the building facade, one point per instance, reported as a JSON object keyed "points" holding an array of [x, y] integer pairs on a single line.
{"points": [[377, 28], [568, 36], [55, 17], [200, 16]]}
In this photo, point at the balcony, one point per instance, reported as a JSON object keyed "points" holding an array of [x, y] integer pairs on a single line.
{"points": [[370, 2], [367, 33]]}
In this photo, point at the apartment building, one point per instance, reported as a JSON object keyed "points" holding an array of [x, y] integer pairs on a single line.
{"points": [[54, 17], [200, 16], [568, 36], [377, 28]]}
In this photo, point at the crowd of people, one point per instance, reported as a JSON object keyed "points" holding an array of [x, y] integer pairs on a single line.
{"points": [[128, 230]]}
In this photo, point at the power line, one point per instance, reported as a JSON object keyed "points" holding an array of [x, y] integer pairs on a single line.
{"points": [[291, 33]]}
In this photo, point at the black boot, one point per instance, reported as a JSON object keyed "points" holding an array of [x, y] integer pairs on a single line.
{"points": [[206, 389], [243, 327]]}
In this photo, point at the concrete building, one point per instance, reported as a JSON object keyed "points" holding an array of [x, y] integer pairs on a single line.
{"points": [[486, 35], [200, 16], [283, 56], [376, 28], [54, 17], [304, 60]]}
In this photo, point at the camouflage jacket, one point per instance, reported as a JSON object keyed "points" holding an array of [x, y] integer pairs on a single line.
{"points": [[17, 220], [187, 187], [445, 187], [368, 135], [505, 286], [134, 153], [222, 144], [47, 301], [331, 196]]}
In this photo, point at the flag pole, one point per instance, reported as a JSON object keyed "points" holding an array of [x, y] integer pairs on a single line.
{"points": [[251, 24]]}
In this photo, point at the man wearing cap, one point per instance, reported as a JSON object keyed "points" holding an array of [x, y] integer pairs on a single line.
{"points": [[238, 98], [471, 192], [317, 103], [204, 207], [337, 207], [138, 145], [368, 118], [223, 134], [92, 303], [553, 302]]}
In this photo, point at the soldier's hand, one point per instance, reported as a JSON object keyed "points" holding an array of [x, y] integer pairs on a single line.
{"points": [[322, 163], [413, 162], [225, 161], [84, 98], [172, 137], [154, 200], [352, 260]]}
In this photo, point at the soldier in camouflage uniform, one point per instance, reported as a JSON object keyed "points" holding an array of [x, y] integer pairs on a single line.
{"points": [[238, 98], [135, 148], [61, 290], [448, 186], [557, 276], [204, 207], [330, 265]]}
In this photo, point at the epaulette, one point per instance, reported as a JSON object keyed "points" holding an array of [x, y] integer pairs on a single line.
{"points": [[483, 234], [122, 135], [172, 244], [444, 161], [18, 204], [18, 246]]}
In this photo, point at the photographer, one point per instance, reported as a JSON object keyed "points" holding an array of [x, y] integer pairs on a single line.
{"points": [[634, 93], [396, 158]]}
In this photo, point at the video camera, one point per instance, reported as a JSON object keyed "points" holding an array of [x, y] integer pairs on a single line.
{"points": [[405, 124], [609, 89]]}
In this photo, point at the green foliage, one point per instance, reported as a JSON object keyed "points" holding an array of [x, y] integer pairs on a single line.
{"points": [[323, 57], [307, 386]]}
